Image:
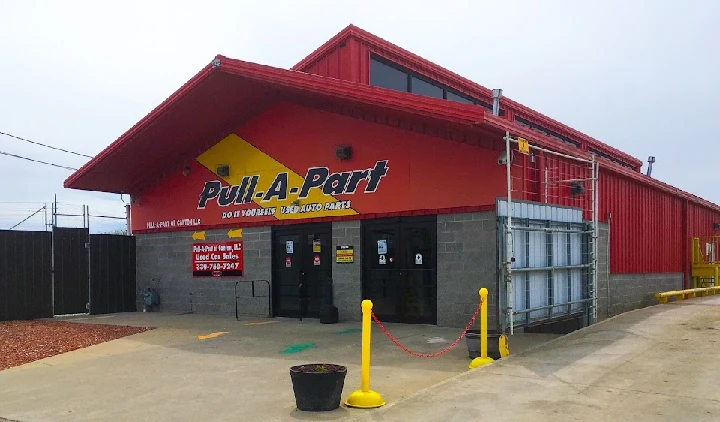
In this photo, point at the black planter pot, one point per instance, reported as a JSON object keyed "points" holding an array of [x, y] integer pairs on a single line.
{"points": [[318, 390]]}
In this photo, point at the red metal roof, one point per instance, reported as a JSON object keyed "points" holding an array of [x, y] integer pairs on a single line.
{"points": [[217, 101], [421, 64], [225, 94]]}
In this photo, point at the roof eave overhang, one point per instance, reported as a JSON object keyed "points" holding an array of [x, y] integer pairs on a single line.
{"points": [[291, 83], [433, 110]]}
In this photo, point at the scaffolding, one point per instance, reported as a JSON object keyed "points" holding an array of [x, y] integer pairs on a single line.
{"points": [[562, 180]]}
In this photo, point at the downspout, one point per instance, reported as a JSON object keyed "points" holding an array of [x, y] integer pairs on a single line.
{"points": [[607, 263], [684, 247]]}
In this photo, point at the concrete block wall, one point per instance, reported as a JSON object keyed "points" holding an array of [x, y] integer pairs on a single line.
{"points": [[466, 262], [168, 256], [633, 291], [603, 271], [347, 278], [618, 293]]}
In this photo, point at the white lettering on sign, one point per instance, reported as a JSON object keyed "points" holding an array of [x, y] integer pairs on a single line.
{"points": [[221, 259], [180, 222]]}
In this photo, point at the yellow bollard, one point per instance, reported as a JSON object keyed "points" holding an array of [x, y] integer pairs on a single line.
{"points": [[483, 359], [365, 398]]}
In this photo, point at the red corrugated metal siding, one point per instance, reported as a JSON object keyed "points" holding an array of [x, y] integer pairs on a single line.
{"points": [[559, 173], [341, 63], [646, 230], [701, 220]]}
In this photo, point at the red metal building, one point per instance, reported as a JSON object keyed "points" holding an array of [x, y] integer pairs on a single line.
{"points": [[236, 147]]}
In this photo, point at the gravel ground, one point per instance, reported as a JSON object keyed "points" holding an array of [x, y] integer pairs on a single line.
{"points": [[26, 341]]}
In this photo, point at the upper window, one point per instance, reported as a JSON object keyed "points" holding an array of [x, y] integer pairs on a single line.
{"points": [[607, 157], [387, 76], [538, 128], [459, 98], [419, 86]]}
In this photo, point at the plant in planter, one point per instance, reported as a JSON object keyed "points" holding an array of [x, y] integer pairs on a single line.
{"points": [[318, 386]]}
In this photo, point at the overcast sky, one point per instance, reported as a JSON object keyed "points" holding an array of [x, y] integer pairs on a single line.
{"points": [[642, 76]]}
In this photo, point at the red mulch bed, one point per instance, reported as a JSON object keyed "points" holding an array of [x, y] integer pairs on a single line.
{"points": [[27, 341]]}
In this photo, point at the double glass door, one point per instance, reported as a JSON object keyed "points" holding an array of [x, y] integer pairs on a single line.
{"points": [[399, 269], [302, 270]]}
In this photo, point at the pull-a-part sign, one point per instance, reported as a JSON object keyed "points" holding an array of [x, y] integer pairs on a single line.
{"points": [[286, 169], [316, 178]]}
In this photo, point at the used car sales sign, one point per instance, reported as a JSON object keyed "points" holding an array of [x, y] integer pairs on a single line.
{"points": [[219, 259]]}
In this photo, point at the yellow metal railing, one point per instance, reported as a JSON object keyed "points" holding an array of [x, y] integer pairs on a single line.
{"points": [[706, 250], [663, 297], [705, 268]]}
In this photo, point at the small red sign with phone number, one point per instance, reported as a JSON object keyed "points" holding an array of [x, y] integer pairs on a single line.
{"points": [[220, 259]]}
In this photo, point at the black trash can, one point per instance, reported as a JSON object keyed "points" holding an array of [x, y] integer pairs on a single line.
{"points": [[472, 338], [328, 311], [329, 314]]}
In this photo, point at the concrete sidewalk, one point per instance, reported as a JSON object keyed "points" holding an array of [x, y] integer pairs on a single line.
{"points": [[169, 374], [657, 363]]}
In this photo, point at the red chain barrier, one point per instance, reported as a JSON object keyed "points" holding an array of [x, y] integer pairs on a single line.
{"points": [[427, 355]]}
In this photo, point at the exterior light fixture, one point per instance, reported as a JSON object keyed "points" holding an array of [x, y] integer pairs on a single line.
{"points": [[343, 152], [186, 171], [223, 171]]}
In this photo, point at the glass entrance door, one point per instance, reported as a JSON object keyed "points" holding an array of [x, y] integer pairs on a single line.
{"points": [[302, 270], [399, 269]]}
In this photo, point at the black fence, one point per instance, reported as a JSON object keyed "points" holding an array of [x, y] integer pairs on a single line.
{"points": [[25, 275], [112, 274], [92, 273]]}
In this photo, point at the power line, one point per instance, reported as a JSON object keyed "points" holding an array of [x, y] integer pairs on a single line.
{"points": [[37, 161], [46, 146], [27, 218], [109, 216]]}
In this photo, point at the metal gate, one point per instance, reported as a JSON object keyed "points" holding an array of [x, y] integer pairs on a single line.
{"points": [[551, 265], [71, 281], [65, 272]]}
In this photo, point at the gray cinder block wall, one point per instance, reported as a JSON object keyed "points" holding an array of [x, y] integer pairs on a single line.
{"points": [[466, 262], [347, 278], [168, 257], [633, 291], [602, 269], [618, 293]]}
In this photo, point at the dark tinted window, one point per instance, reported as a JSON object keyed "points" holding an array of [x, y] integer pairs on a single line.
{"points": [[523, 122], [421, 87], [484, 104], [386, 76], [459, 98]]}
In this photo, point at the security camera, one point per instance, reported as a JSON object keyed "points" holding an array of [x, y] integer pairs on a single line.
{"points": [[502, 159]]}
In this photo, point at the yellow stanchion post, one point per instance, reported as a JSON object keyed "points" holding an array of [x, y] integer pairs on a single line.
{"points": [[483, 359], [365, 398]]}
